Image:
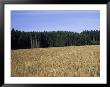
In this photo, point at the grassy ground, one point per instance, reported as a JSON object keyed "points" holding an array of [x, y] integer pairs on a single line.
{"points": [[72, 61]]}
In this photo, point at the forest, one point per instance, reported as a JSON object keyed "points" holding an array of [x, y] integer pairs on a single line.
{"points": [[24, 40]]}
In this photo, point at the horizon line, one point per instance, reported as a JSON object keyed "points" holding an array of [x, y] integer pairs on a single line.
{"points": [[54, 30]]}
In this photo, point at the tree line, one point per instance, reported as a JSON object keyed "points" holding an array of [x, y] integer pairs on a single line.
{"points": [[23, 40]]}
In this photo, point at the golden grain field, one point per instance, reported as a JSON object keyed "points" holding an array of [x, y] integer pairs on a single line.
{"points": [[71, 61]]}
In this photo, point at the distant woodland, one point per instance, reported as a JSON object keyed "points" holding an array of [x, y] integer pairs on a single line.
{"points": [[24, 40]]}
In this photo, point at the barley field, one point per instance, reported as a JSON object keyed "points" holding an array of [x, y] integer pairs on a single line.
{"points": [[71, 61]]}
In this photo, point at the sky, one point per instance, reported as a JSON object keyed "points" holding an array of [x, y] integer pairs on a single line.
{"points": [[55, 20]]}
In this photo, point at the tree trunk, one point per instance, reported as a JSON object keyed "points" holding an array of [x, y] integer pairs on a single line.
{"points": [[36, 44], [31, 41], [33, 44]]}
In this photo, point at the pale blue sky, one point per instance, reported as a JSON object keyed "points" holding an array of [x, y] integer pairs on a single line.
{"points": [[53, 20]]}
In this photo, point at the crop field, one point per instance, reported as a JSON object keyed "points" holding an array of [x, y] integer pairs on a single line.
{"points": [[70, 61]]}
